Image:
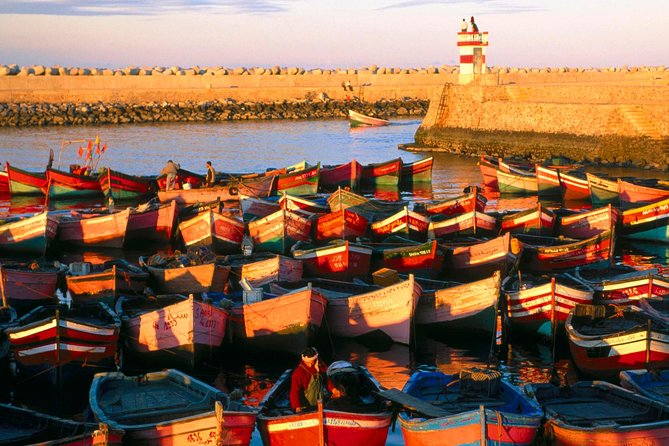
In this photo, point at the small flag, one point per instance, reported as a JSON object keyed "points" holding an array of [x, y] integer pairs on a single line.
{"points": [[97, 139], [81, 151], [104, 147], [97, 149]]}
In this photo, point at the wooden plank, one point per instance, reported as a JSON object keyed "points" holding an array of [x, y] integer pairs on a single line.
{"points": [[412, 403]]}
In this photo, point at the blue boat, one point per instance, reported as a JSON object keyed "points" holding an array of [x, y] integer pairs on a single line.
{"points": [[650, 383]]}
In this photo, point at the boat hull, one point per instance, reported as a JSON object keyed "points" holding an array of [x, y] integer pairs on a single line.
{"points": [[30, 235]]}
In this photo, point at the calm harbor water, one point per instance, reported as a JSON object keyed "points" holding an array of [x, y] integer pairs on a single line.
{"points": [[254, 146]]}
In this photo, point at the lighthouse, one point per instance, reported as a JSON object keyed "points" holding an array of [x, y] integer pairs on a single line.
{"points": [[472, 47]]}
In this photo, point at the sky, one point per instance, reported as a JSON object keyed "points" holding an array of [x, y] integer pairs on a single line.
{"points": [[330, 33]]}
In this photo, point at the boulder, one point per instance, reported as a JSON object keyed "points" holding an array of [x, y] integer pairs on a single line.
{"points": [[39, 70], [4, 70], [239, 71]]}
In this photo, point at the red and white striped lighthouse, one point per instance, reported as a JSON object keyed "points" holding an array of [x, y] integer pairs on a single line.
{"points": [[472, 47]]}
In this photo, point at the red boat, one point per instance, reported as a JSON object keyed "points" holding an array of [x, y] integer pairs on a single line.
{"points": [[27, 286], [255, 186], [633, 194], [423, 260], [152, 221], [366, 423], [278, 232], [488, 167], [299, 182], [624, 285], [604, 340], [70, 185], [254, 208], [22, 182], [417, 172], [261, 269], [204, 276], [4, 182], [548, 181], [345, 175], [121, 186], [341, 261], [192, 179], [574, 185], [469, 202], [405, 223], [480, 260], [100, 230], [386, 173], [343, 224], [538, 220], [223, 234], [293, 203], [472, 223], [106, 282], [588, 224]]}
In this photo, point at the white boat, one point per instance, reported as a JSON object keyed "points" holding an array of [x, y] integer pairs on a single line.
{"points": [[359, 120]]}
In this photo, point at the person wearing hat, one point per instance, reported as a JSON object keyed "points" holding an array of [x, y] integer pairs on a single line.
{"points": [[308, 381], [475, 28]]}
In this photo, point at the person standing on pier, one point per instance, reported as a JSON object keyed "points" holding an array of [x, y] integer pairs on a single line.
{"points": [[210, 179]]}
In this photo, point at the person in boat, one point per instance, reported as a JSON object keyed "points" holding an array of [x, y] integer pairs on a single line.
{"points": [[345, 387], [308, 381], [170, 172], [210, 179]]}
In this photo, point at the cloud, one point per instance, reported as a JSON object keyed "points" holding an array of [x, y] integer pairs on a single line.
{"points": [[487, 6], [139, 7]]}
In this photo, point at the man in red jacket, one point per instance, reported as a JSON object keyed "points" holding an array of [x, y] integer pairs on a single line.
{"points": [[308, 381]]}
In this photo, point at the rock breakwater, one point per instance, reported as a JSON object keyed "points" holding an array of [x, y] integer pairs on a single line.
{"points": [[47, 114]]}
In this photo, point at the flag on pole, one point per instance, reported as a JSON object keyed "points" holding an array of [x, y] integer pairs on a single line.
{"points": [[81, 151], [104, 147]]}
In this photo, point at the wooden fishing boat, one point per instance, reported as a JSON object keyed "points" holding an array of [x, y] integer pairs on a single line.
{"points": [[194, 278], [26, 286], [479, 260], [121, 186], [514, 183], [254, 208], [152, 222], [60, 344], [106, 282], [299, 182], [293, 203], [87, 229], [538, 220], [22, 182], [657, 308], [647, 222], [382, 174], [461, 308], [548, 181], [602, 190], [184, 177], [62, 184], [605, 340], [517, 168], [463, 410], [388, 310], [261, 269], [488, 167], [359, 120], [541, 304], [287, 323], [222, 233], [279, 231], [404, 223], [472, 223], [371, 209], [588, 224], [596, 412], [21, 426], [364, 422], [639, 194], [471, 201], [653, 384], [549, 254], [30, 234], [258, 186], [419, 171], [345, 175], [4, 182], [339, 261], [171, 329], [421, 259], [344, 224], [169, 408], [574, 185], [624, 285]]}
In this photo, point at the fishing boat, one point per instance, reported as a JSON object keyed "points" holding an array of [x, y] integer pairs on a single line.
{"points": [[582, 225], [339, 261], [474, 407], [223, 234], [33, 234], [364, 422], [21, 426], [460, 308], [635, 194], [603, 190], [419, 171], [359, 120], [517, 184], [624, 285], [597, 412], [258, 186], [343, 224], [479, 260], [405, 223], [62, 184], [299, 182], [647, 222], [471, 201], [184, 180], [22, 182], [345, 175], [538, 220], [605, 340], [121, 186], [60, 344], [657, 308], [169, 408], [105, 282], [261, 269], [278, 232], [406, 256], [387, 173], [370, 208], [472, 223], [255, 208], [198, 276], [653, 384], [152, 221], [171, 329], [294, 203], [287, 323], [574, 185], [540, 304], [548, 181], [26, 286], [4, 182], [93, 229]]}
